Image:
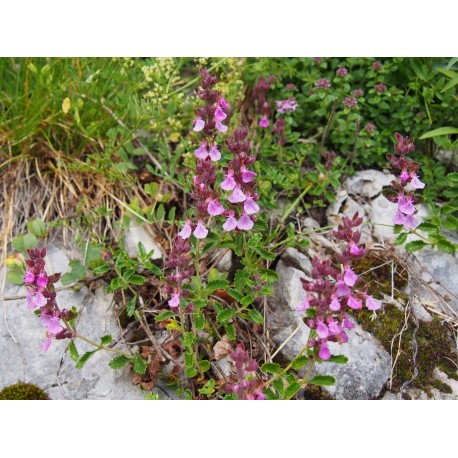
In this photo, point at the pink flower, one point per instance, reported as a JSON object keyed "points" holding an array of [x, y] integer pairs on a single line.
{"points": [[237, 196], [372, 304], [335, 304], [214, 208], [380, 88], [230, 224], [410, 222], [404, 175], [342, 71], [334, 328], [185, 233], [175, 301], [342, 288], [220, 115], [304, 305], [264, 122], [416, 183], [199, 124], [215, 155], [354, 303], [369, 127], [29, 277], [348, 324], [229, 183], [42, 279], [324, 352], [322, 330], [51, 323], [399, 218], [250, 206], [35, 300], [377, 65], [358, 92], [223, 104], [201, 152], [200, 232], [245, 223], [350, 102], [355, 250], [350, 277], [247, 175], [287, 105], [221, 127], [406, 206], [46, 344], [323, 83]]}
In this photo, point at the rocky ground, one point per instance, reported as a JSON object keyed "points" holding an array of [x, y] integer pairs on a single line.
{"points": [[407, 351]]}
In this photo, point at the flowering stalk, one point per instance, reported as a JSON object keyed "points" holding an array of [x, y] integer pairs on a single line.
{"points": [[335, 286], [260, 101], [408, 182]]}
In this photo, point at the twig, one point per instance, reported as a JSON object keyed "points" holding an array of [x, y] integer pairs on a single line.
{"points": [[326, 131]]}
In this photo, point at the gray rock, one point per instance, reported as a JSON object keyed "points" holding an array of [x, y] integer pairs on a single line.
{"points": [[225, 263], [368, 183], [449, 158], [297, 259], [289, 287], [136, 233]]}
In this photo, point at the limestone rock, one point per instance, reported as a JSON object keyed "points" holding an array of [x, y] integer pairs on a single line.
{"points": [[137, 233], [368, 183]]}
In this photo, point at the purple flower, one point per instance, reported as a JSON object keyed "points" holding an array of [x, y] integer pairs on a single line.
{"points": [[247, 175], [380, 88], [416, 183], [46, 344], [35, 300], [342, 71], [410, 222], [399, 218], [354, 249], [200, 232], [264, 122], [406, 206], [404, 175], [229, 183], [324, 352], [323, 83], [342, 288], [221, 127], [51, 323], [317, 60], [350, 102], [335, 304], [372, 304], [377, 65], [214, 208], [237, 196], [202, 151], [175, 301], [358, 92], [214, 154], [223, 104], [185, 233], [250, 206], [230, 224], [354, 303], [287, 105], [350, 277], [304, 305], [369, 127], [29, 277], [245, 223], [220, 115], [334, 328], [199, 124], [322, 330], [348, 324], [42, 279]]}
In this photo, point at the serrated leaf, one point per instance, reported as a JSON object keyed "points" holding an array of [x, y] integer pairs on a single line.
{"points": [[453, 177], [247, 300], [107, 339], [188, 339], [271, 368], [264, 253], [230, 331], [215, 285], [255, 316], [240, 278], [430, 228], [300, 362], [401, 238], [237, 295], [292, 389], [137, 280], [278, 385], [199, 321], [83, 360], [209, 388], [18, 243], [339, 359], [37, 227], [131, 306], [101, 270], [451, 223], [164, 315], [415, 245], [270, 395], [204, 365], [191, 371], [153, 268], [73, 351], [446, 246], [119, 361], [30, 241], [322, 380], [225, 315], [140, 365], [268, 275]]}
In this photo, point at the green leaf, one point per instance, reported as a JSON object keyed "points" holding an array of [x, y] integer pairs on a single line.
{"points": [[30, 241], [430, 228], [268, 275], [247, 300], [225, 315], [77, 272], [264, 253], [204, 365], [401, 238], [453, 177], [278, 385], [131, 306], [73, 351], [446, 246], [440, 131], [270, 395], [339, 359], [271, 368], [452, 83], [164, 315], [137, 280], [240, 278], [119, 361], [101, 270], [188, 339], [199, 321], [191, 371], [255, 316], [37, 227], [215, 285], [452, 62], [160, 212], [237, 295], [451, 223], [83, 360], [153, 268], [300, 362], [209, 388], [107, 339], [322, 380], [16, 277], [292, 389], [140, 365], [230, 331], [18, 243], [415, 245]]}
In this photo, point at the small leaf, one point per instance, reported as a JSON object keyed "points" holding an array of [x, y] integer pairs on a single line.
{"points": [[322, 380], [225, 315], [237, 295], [30, 241], [255, 316], [131, 306], [278, 385], [446, 246], [451, 223], [415, 245], [271, 368], [209, 388], [199, 321], [300, 362], [264, 253], [440, 131], [247, 300], [37, 227], [339, 359], [83, 360], [16, 277], [292, 389], [140, 365], [215, 285], [401, 238], [118, 362], [18, 243], [106, 340], [164, 315], [204, 365], [430, 228], [73, 351], [137, 280]]}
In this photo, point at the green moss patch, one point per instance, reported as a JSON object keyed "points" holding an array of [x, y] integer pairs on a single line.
{"points": [[23, 391]]}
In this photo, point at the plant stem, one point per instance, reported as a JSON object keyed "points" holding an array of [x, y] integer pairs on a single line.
{"points": [[295, 204], [100, 346]]}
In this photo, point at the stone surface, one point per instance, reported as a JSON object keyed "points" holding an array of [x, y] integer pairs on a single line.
{"points": [[225, 262], [368, 183], [449, 158], [21, 336], [297, 259], [368, 368], [137, 233]]}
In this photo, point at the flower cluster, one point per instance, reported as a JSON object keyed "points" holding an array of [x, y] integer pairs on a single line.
{"points": [[408, 179], [369, 127], [323, 83], [349, 102], [180, 259], [358, 92], [379, 88], [248, 386], [41, 294], [342, 71], [240, 181], [260, 101], [377, 65], [289, 104], [333, 288]]}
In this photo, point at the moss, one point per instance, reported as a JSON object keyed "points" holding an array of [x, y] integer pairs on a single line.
{"points": [[23, 391], [434, 340]]}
